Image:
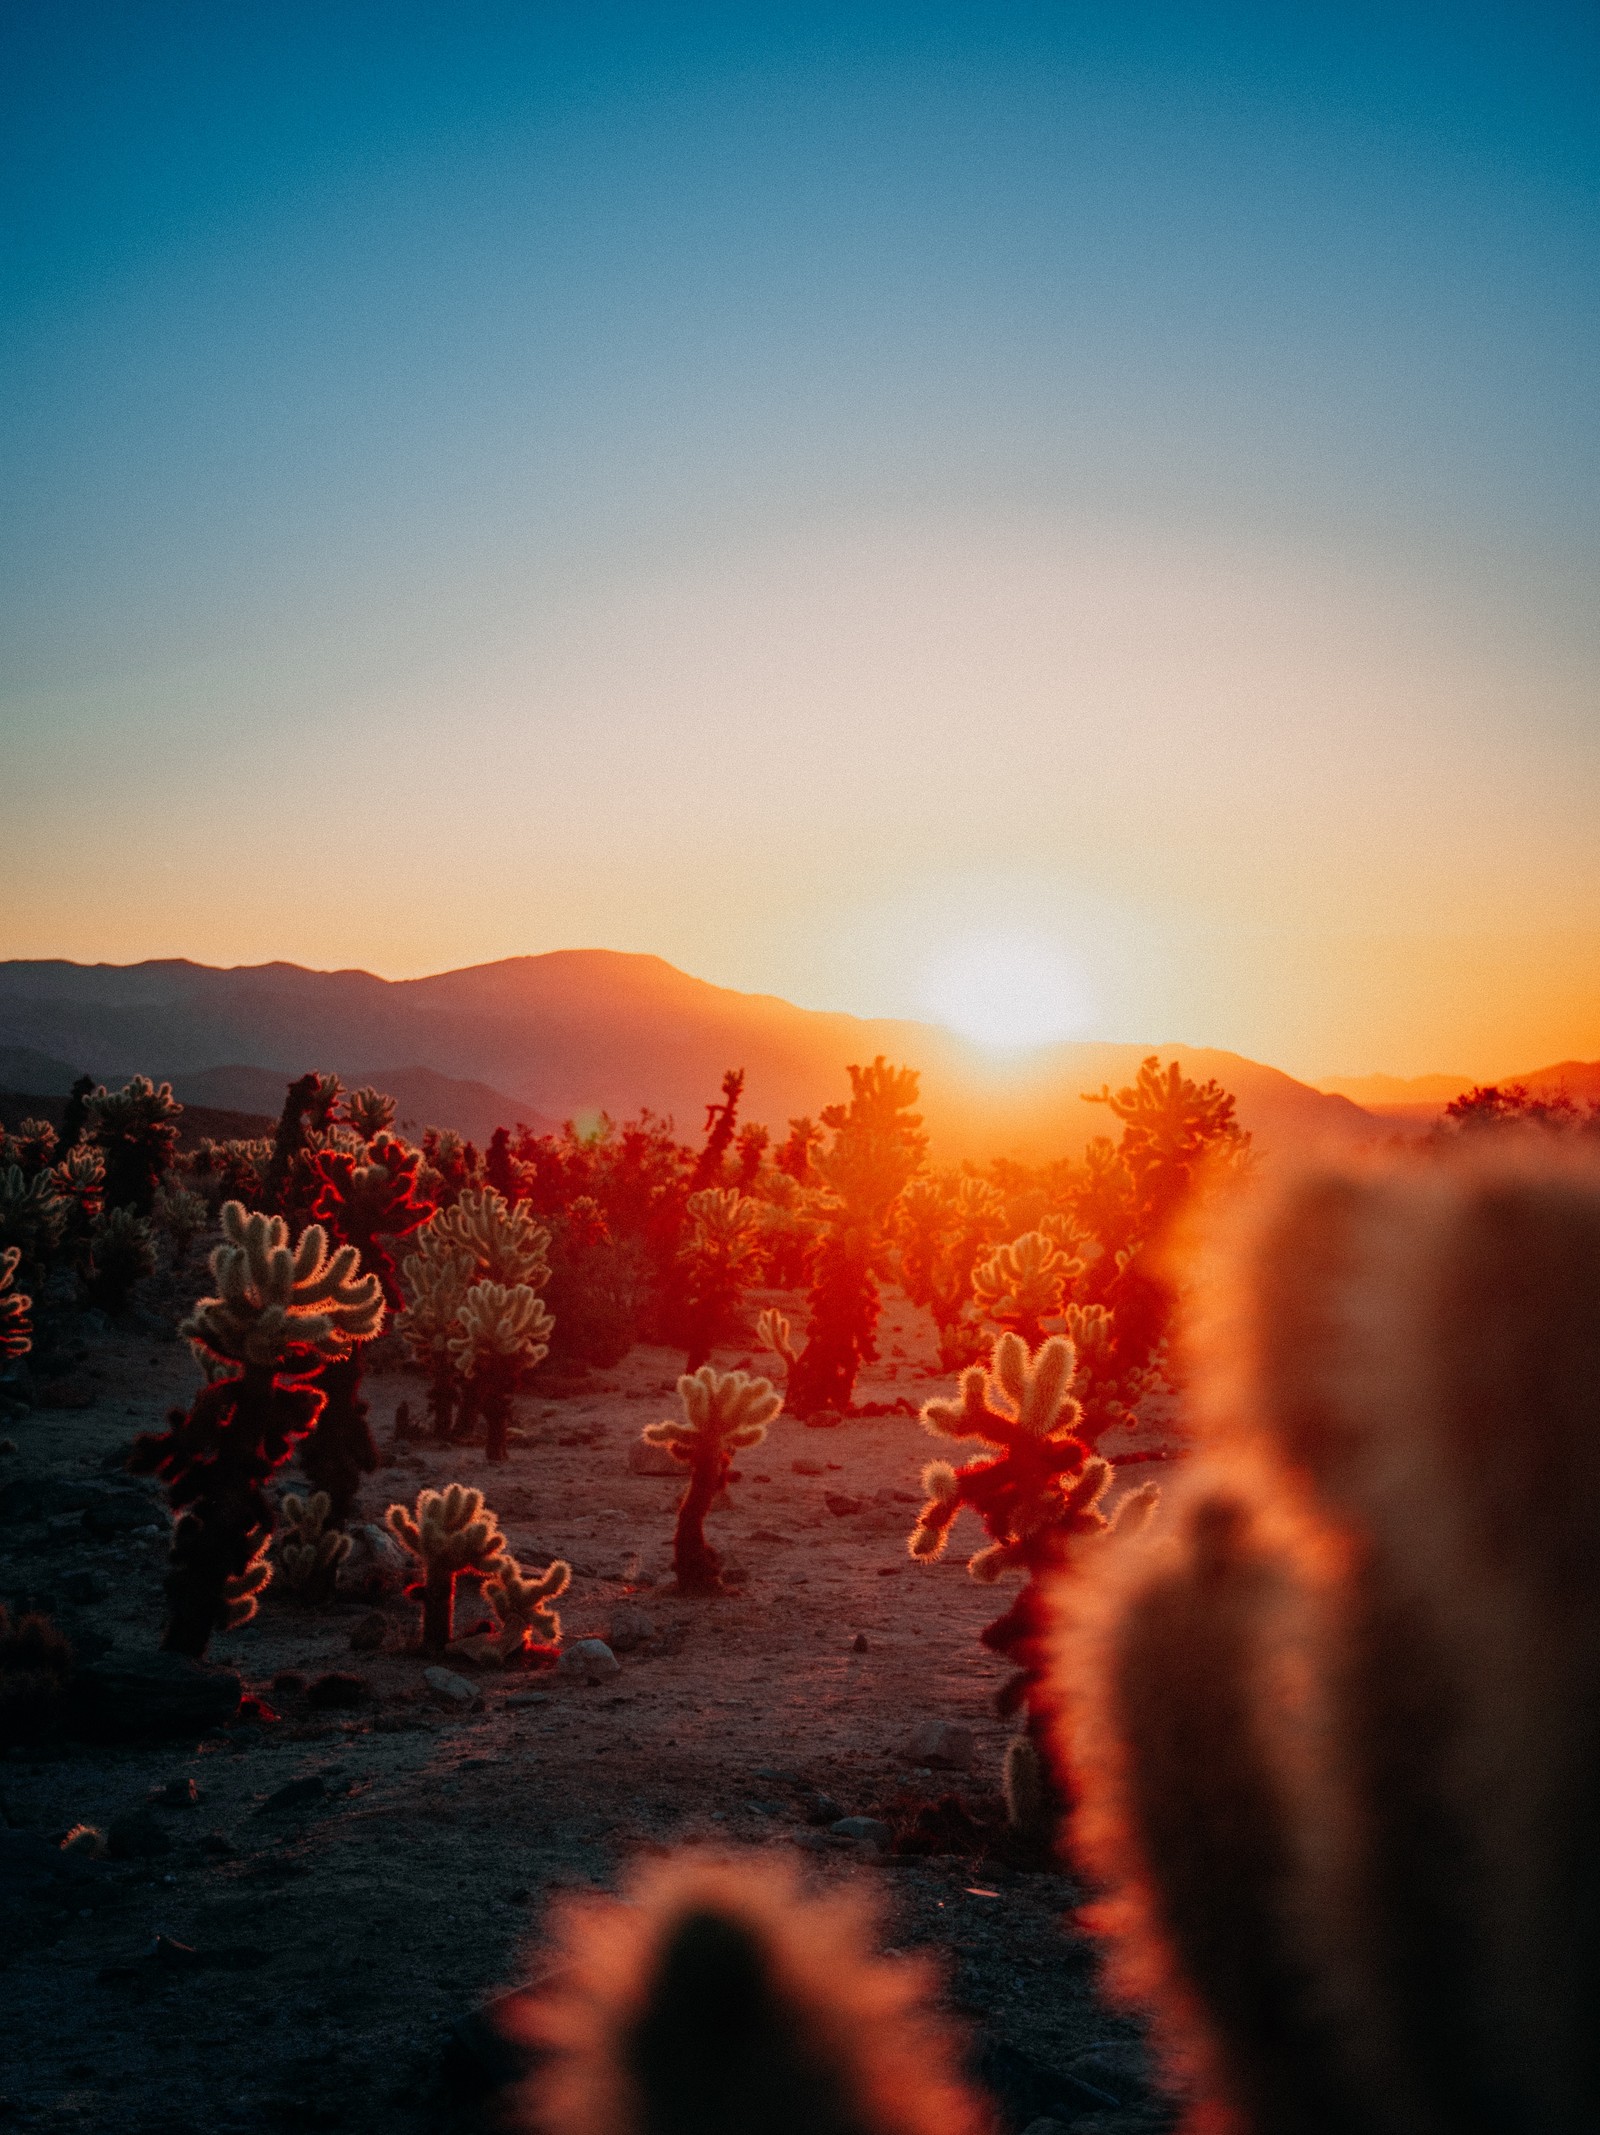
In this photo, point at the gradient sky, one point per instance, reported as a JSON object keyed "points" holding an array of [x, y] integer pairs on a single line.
{"points": [[819, 494]]}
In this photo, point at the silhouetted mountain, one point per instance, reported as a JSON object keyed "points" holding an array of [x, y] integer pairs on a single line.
{"points": [[1414, 1102], [422, 1097], [580, 1031]]}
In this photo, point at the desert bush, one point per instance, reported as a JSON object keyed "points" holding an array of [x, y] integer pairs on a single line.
{"points": [[451, 1532], [35, 1665], [723, 1412], [136, 1131], [16, 1309], [717, 1995], [599, 1287], [231, 1170], [1333, 1733], [279, 1314], [876, 1150]]}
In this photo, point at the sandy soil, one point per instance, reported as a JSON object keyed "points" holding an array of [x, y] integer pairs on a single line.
{"points": [[343, 1940]]}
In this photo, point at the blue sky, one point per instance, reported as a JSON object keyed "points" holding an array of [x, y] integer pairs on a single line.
{"points": [[790, 487]]}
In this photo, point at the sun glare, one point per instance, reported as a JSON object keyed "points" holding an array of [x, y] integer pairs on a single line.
{"points": [[1006, 991]]}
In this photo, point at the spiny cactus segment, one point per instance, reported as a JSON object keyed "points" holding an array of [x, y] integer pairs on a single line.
{"points": [[723, 1412], [521, 1601], [310, 1552], [282, 1308], [16, 1307], [451, 1531]]}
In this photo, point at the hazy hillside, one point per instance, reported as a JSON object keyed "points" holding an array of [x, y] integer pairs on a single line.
{"points": [[1415, 1102], [545, 1038]]}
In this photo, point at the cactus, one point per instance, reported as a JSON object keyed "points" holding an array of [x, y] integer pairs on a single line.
{"points": [[717, 1995], [182, 1215], [720, 1123], [368, 1112], [16, 1309], [35, 1665], [33, 1217], [723, 1412], [305, 1124], [504, 1331], [942, 1226], [450, 1532], [1023, 1284], [31, 1147], [521, 1604], [370, 1198], [774, 1333], [122, 1252], [1333, 1735], [277, 1316], [1040, 1491], [719, 1255], [136, 1130], [310, 1553], [507, 1245], [436, 1278]]}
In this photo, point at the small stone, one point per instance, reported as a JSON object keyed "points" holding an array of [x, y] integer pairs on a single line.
{"points": [[821, 1809], [337, 1690], [135, 1836], [176, 1794], [630, 1628], [376, 1565], [942, 1745], [117, 1512], [450, 1690], [864, 1831], [646, 1459], [526, 1700], [590, 1658], [824, 1420], [369, 1634], [808, 1467], [840, 1505], [859, 1643]]}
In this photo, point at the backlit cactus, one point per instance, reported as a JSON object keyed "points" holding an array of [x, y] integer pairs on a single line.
{"points": [[521, 1602], [723, 1413], [503, 1331], [1021, 1285], [136, 1131], [16, 1309], [280, 1307], [450, 1532], [436, 1279], [1334, 1734], [309, 1552], [719, 1256]]}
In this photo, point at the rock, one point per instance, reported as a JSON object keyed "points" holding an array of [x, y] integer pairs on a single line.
{"points": [[337, 1691], [86, 1586], [176, 1794], [824, 1420], [1028, 2090], [376, 1564], [943, 1745], [41, 1497], [630, 1628], [8, 1445], [840, 1505], [526, 1700], [288, 1683], [135, 1836], [110, 1513], [451, 1691], [859, 1643], [369, 1634], [864, 1831], [219, 1846], [646, 1459], [1118, 2066], [590, 1658], [124, 1698], [294, 1794], [808, 1467], [820, 1809]]}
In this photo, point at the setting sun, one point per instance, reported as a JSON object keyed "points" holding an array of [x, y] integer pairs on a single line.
{"points": [[1006, 991]]}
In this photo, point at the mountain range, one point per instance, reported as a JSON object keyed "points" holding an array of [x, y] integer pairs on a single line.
{"points": [[568, 1035]]}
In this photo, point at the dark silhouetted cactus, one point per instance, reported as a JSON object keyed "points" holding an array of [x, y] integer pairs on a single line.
{"points": [[1335, 1736], [724, 1412], [136, 1131], [719, 1257], [122, 1252], [718, 1997]]}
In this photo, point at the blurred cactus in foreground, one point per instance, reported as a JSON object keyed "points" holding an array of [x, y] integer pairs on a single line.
{"points": [[1336, 1735], [717, 1997], [723, 1413]]}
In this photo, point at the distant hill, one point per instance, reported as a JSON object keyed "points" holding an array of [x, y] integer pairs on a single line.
{"points": [[546, 1038], [1416, 1101], [26, 1070], [422, 1097]]}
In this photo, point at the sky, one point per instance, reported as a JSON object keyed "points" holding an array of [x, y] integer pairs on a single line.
{"points": [[1067, 520]]}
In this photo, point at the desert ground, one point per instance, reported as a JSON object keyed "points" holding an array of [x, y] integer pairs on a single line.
{"points": [[306, 1915]]}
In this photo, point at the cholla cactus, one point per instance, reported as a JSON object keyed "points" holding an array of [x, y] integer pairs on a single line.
{"points": [[16, 1325], [1023, 1284], [182, 1215], [242, 1590], [285, 1310], [31, 1147], [369, 1199], [122, 1252], [33, 1217], [521, 1603], [503, 1332], [774, 1333], [368, 1112], [719, 1255], [136, 1130], [311, 1552], [1333, 1735], [506, 1243], [942, 1225], [232, 1171], [718, 1995], [723, 1411], [452, 1531], [1041, 1490], [436, 1279]]}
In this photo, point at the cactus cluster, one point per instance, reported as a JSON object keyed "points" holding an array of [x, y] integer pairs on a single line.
{"points": [[723, 1413]]}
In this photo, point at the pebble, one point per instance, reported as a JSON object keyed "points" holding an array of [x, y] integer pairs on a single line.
{"points": [[630, 1629], [943, 1745], [337, 1690], [840, 1505], [368, 1635], [590, 1658], [865, 1831], [859, 1643], [450, 1690]]}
